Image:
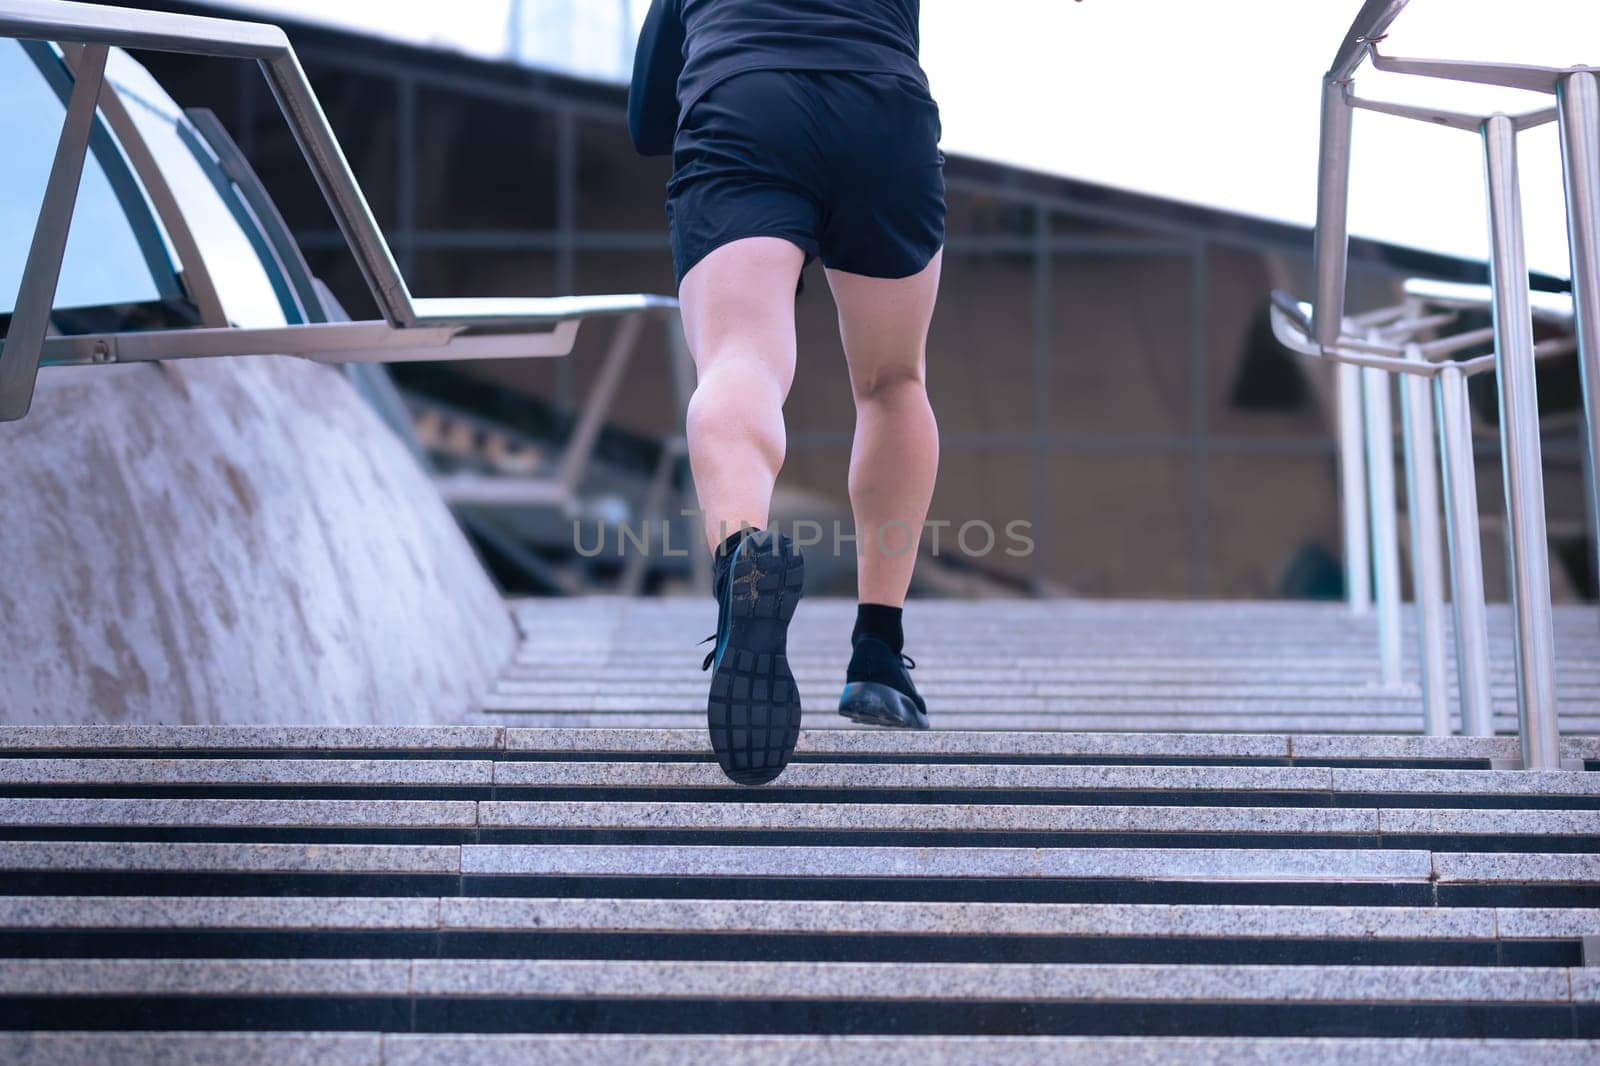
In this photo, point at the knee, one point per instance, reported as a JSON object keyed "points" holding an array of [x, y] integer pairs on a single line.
{"points": [[889, 385], [756, 373], [736, 399]]}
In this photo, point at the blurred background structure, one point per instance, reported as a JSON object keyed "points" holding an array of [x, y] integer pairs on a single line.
{"points": [[1102, 364]]}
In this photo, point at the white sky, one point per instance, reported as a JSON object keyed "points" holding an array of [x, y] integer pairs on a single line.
{"points": [[1212, 102]]}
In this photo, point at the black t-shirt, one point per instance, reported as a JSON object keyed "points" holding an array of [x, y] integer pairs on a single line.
{"points": [[687, 46]]}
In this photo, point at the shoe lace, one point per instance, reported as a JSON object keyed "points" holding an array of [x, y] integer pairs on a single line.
{"points": [[908, 661]]}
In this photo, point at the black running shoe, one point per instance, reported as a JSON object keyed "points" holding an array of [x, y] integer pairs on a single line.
{"points": [[878, 688], [753, 712]]}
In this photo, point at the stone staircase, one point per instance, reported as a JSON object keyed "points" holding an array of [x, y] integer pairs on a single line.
{"points": [[1033, 665], [557, 893]]}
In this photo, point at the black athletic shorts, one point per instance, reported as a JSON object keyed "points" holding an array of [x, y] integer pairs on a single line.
{"points": [[844, 164]]}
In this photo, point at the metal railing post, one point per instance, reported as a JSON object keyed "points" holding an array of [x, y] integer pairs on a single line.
{"points": [[30, 319], [316, 141], [1333, 170], [1466, 550], [1331, 243], [574, 463], [1578, 108], [1526, 540], [1381, 503], [1353, 490], [1427, 568]]}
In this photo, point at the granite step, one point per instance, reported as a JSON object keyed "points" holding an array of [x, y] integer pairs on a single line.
{"points": [[980, 780], [568, 1049], [861, 742], [341, 773], [226, 814], [796, 822], [489, 741], [1218, 865], [316, 739], [958, 692], [813, 817], [528, 713], [795, 931], [817, 917], [1174, 680], [1307, 713], [854, 982], [521, 995], [1018, 818], [54, 1048], [1133, 874], [991, 776]]}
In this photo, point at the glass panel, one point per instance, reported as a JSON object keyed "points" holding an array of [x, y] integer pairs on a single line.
{"points": [[243, 283], [106, 262]]}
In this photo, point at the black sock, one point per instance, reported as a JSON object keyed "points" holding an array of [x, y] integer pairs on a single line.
{"points": [[881, 621]]}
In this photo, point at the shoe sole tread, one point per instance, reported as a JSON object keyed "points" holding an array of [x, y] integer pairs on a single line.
{"points": [[753, 711]]}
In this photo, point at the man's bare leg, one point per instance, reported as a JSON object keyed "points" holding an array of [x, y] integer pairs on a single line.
{"points": [[895, 455], [893, 462], [738, 319]]}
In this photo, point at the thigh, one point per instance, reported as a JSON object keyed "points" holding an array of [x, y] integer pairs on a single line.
{"points": [[883, 323], [737, 303]]}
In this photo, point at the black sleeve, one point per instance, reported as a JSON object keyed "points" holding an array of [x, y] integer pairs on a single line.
{"points": [[653, 95]]}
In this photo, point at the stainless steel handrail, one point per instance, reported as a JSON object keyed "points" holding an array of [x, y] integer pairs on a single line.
{"points": [[1368, 27], [1577, 110], [1391, 346], [1325, 330], [409, 328], [1332, 237]]}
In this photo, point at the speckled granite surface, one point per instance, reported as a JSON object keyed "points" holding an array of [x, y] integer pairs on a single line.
{"points": [[975, 1051], [1016, 981], [196, 1049], [222, 737], [238, 812], [205, 977], [245, 771], [216, 912], [977, 919], [922, 775], [325, 858], [1511, 866], [563, 1049], [947, 817], [1212, 864]]}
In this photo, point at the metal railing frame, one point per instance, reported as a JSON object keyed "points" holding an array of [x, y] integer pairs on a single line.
{"points": [[1324, 331], [409, 329], [1433, 404]]}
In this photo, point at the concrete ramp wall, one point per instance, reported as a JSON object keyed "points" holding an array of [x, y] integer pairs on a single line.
{"points": [[230, 541]]}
